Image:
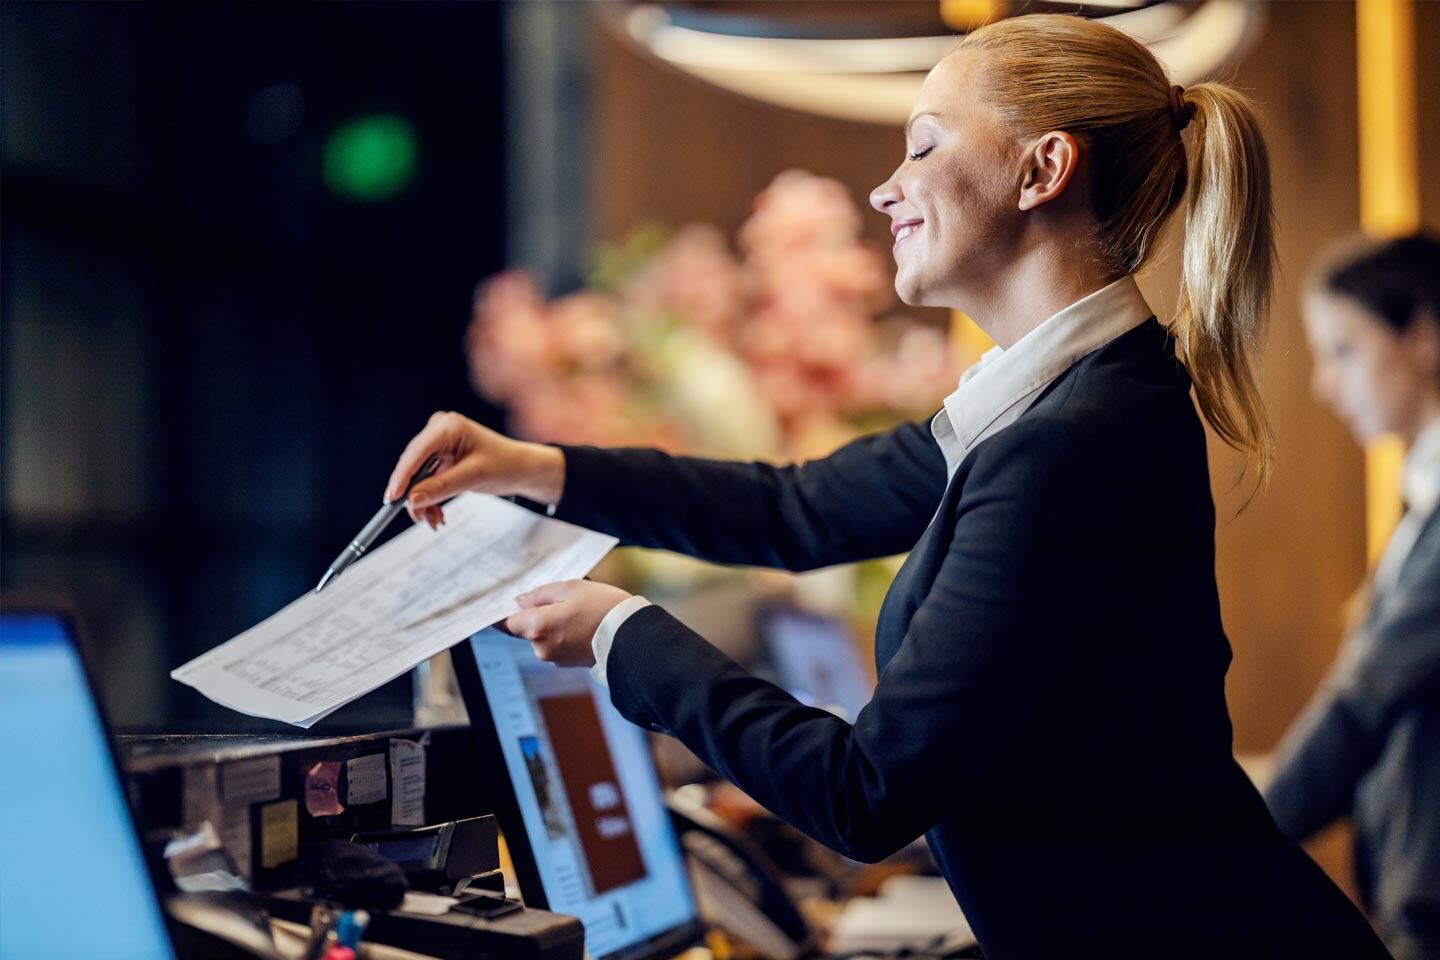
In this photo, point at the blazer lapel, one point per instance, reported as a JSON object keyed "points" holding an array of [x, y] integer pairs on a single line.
{"points": [[918, 573]]}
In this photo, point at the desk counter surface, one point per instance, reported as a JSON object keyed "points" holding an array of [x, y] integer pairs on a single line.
{"points": [[148, 752]]}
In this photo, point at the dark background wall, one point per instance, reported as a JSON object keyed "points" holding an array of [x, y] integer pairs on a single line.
{"points": [[209, 358]]}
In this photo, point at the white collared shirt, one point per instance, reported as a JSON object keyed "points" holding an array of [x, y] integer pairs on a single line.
{"points": [[1420, 488], [1003, 383], [991, 395]]}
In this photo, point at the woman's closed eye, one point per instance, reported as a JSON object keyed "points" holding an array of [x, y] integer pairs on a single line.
{"points": [[919, 154]]}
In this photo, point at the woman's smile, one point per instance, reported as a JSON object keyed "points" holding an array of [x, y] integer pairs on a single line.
{"points": [[903, 229]]}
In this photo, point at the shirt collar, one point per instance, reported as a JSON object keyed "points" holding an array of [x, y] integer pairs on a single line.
{"points": [[1002, 378], [1420, 476]]}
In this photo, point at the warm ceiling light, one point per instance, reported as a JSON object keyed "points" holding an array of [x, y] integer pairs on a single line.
{"points": [[876, 78]]}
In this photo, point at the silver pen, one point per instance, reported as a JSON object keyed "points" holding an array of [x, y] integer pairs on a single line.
{"points": [[389, 511]]}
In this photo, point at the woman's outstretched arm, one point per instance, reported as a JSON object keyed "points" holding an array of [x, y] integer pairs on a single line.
{"points": [[970, 679], [871, 498]]}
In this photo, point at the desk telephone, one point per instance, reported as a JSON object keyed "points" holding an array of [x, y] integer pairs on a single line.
{"points": [[738, 886]]}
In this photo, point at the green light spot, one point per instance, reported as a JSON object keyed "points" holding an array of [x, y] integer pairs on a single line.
{"points": [[371, 158]]}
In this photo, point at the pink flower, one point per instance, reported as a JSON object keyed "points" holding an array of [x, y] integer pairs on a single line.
{"points": [[792, 393], [507, 341], [584, 329], [794, 314], [696, 278], [584, 409], [841, 342], [799, 209], [913, 378]]}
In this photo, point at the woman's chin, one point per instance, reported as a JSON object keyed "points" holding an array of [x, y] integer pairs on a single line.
{"points": [[1366, 432], [910, 293]]}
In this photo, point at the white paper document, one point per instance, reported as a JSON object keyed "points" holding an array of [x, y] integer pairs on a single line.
{"points": [[418, 594], [909, 912]]}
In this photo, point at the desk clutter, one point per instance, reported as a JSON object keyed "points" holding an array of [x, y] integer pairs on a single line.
{"points": [[394, 844], [341, 861]]}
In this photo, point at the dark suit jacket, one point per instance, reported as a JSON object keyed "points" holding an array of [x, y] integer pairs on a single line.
{"points": [[1368, 747], [1050, 709]]}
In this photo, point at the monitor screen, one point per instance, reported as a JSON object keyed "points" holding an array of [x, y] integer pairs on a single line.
{"points": [[815, 658], [588, 797], [65, 826]]}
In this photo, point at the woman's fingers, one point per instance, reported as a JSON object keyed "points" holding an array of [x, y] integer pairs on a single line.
{"points": [[414, 454], [543, 627], [471, 457], [441, 435], [433, 514], [473, 472], [529, 624], [547, 594], [441, 486], [560, 619]]}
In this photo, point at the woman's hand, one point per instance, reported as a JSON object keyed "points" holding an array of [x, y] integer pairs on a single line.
{"points": [[560, 619], [475, 458]]}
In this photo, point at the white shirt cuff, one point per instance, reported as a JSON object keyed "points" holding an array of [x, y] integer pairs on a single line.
{"points": [[605, 633]]}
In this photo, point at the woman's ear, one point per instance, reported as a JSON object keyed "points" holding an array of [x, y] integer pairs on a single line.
{"points": [[1048, 165]]}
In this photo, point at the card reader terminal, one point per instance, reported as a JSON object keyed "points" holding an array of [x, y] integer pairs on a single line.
{"points": [[443, 858]]}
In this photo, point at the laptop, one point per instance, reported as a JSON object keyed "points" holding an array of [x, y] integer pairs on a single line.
{"points": [[580, 803], [76, 880]]}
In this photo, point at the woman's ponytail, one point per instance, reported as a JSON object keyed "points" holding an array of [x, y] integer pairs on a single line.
{"points": [[1061, 72], [1227, 266]]}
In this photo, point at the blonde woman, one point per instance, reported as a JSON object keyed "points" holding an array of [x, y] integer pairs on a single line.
{"points": [[1050, 712]]}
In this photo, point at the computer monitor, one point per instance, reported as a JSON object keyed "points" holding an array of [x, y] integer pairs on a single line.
{"points": [[816, 659], [76, 882], [582, 810]]}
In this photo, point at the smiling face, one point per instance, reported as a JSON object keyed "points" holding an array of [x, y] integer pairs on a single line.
{"points": [[952, 202], [1379, 380]]}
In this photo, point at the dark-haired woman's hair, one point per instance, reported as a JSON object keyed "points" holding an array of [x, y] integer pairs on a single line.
{"points": [[1396, 279]]}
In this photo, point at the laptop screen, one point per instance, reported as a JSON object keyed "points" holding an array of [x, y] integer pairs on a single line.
{"points": [[67, 839], [588, 796]]}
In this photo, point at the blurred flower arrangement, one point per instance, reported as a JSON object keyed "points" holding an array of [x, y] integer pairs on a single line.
{"points": [[782, 351]]}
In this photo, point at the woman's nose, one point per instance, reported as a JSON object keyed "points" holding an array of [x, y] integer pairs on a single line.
{"points": [[885, 194]]}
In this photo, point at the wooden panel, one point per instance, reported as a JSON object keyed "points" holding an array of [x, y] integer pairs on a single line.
{"points": [[1427, 81], [1289, 563]]}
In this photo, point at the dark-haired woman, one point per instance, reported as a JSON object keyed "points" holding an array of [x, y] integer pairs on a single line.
{"points": [[1050, 711], [1368, 746]]}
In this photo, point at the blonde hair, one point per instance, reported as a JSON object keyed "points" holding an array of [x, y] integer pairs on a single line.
{"points": [[1045, 72]]}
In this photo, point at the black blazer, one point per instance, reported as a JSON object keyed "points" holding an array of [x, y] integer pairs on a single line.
{"points": [[1051, 708]]}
